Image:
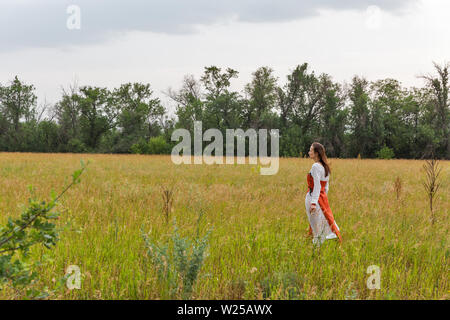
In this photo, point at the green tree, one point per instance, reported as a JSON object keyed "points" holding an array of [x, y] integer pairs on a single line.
{"points": [[190, 106], [98, 114], [359, 118], [300, 103], [439, 86], [258, 109], [388, 117], [67, 113], [222, 106], [333, 118], [420, 106], [139, 114], [17, 102]]}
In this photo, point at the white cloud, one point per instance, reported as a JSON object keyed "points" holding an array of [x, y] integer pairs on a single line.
{"points": [[42, 23], [335, 42]]}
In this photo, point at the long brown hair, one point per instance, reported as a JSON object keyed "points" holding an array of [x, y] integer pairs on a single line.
{"points": [[320, 149]]}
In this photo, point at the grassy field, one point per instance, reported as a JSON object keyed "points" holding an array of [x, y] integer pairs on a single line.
{"points": [[258, 246]]}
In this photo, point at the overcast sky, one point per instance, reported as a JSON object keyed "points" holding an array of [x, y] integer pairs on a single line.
{"points": [[160, 41]]}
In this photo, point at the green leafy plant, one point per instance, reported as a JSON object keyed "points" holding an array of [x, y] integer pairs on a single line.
{"points": [[33, 228], [141, 147], [385, 153], [156, 145], [179, 261]]}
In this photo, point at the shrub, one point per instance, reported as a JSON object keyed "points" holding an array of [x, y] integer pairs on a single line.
{"points": [[76, 146], [158, 145], [385, 153], [178, 262], [31, 229], [140, 147]]}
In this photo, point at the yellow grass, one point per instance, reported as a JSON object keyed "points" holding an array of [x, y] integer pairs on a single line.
{"points": [[258, 247]]}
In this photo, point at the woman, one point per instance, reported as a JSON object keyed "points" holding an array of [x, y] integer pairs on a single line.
{"points": [[321, 221]]}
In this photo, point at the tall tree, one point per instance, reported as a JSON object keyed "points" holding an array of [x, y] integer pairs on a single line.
{"points": [[440, 85], [420, 106], [67, 113], [222, 106], [288, 95], [98, 114], [190, 103], [333, 118], [360, 117], [17, 102], [139, 113], [300, 103], [262, 93]]}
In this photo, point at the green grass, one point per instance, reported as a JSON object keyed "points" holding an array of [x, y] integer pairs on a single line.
{"points": [[258, 248]]}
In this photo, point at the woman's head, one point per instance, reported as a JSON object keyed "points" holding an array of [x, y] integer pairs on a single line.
{"points": [[317, 152]]}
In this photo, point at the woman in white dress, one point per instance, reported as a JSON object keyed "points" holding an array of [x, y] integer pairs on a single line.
{"points": [[321, 220]]}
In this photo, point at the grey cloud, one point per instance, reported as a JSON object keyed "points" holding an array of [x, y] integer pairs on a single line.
{"points": [[42, 23]]}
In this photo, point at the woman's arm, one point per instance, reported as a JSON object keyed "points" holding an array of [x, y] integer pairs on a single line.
{"points": [[327, 186], [316, 191]]}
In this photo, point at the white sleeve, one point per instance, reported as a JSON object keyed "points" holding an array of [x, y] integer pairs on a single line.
{"points": [[316, 192], [327, 186]]}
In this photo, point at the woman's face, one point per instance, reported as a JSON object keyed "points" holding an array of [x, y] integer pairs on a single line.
{"points": [[312, 153]]}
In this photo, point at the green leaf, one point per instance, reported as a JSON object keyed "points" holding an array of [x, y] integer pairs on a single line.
{"points": [[53, 194]]}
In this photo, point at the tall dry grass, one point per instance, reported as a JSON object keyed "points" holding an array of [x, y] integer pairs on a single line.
{"points": [[258, 248]]}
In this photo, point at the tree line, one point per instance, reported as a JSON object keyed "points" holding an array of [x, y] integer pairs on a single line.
{"points": [[380, 119]]}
